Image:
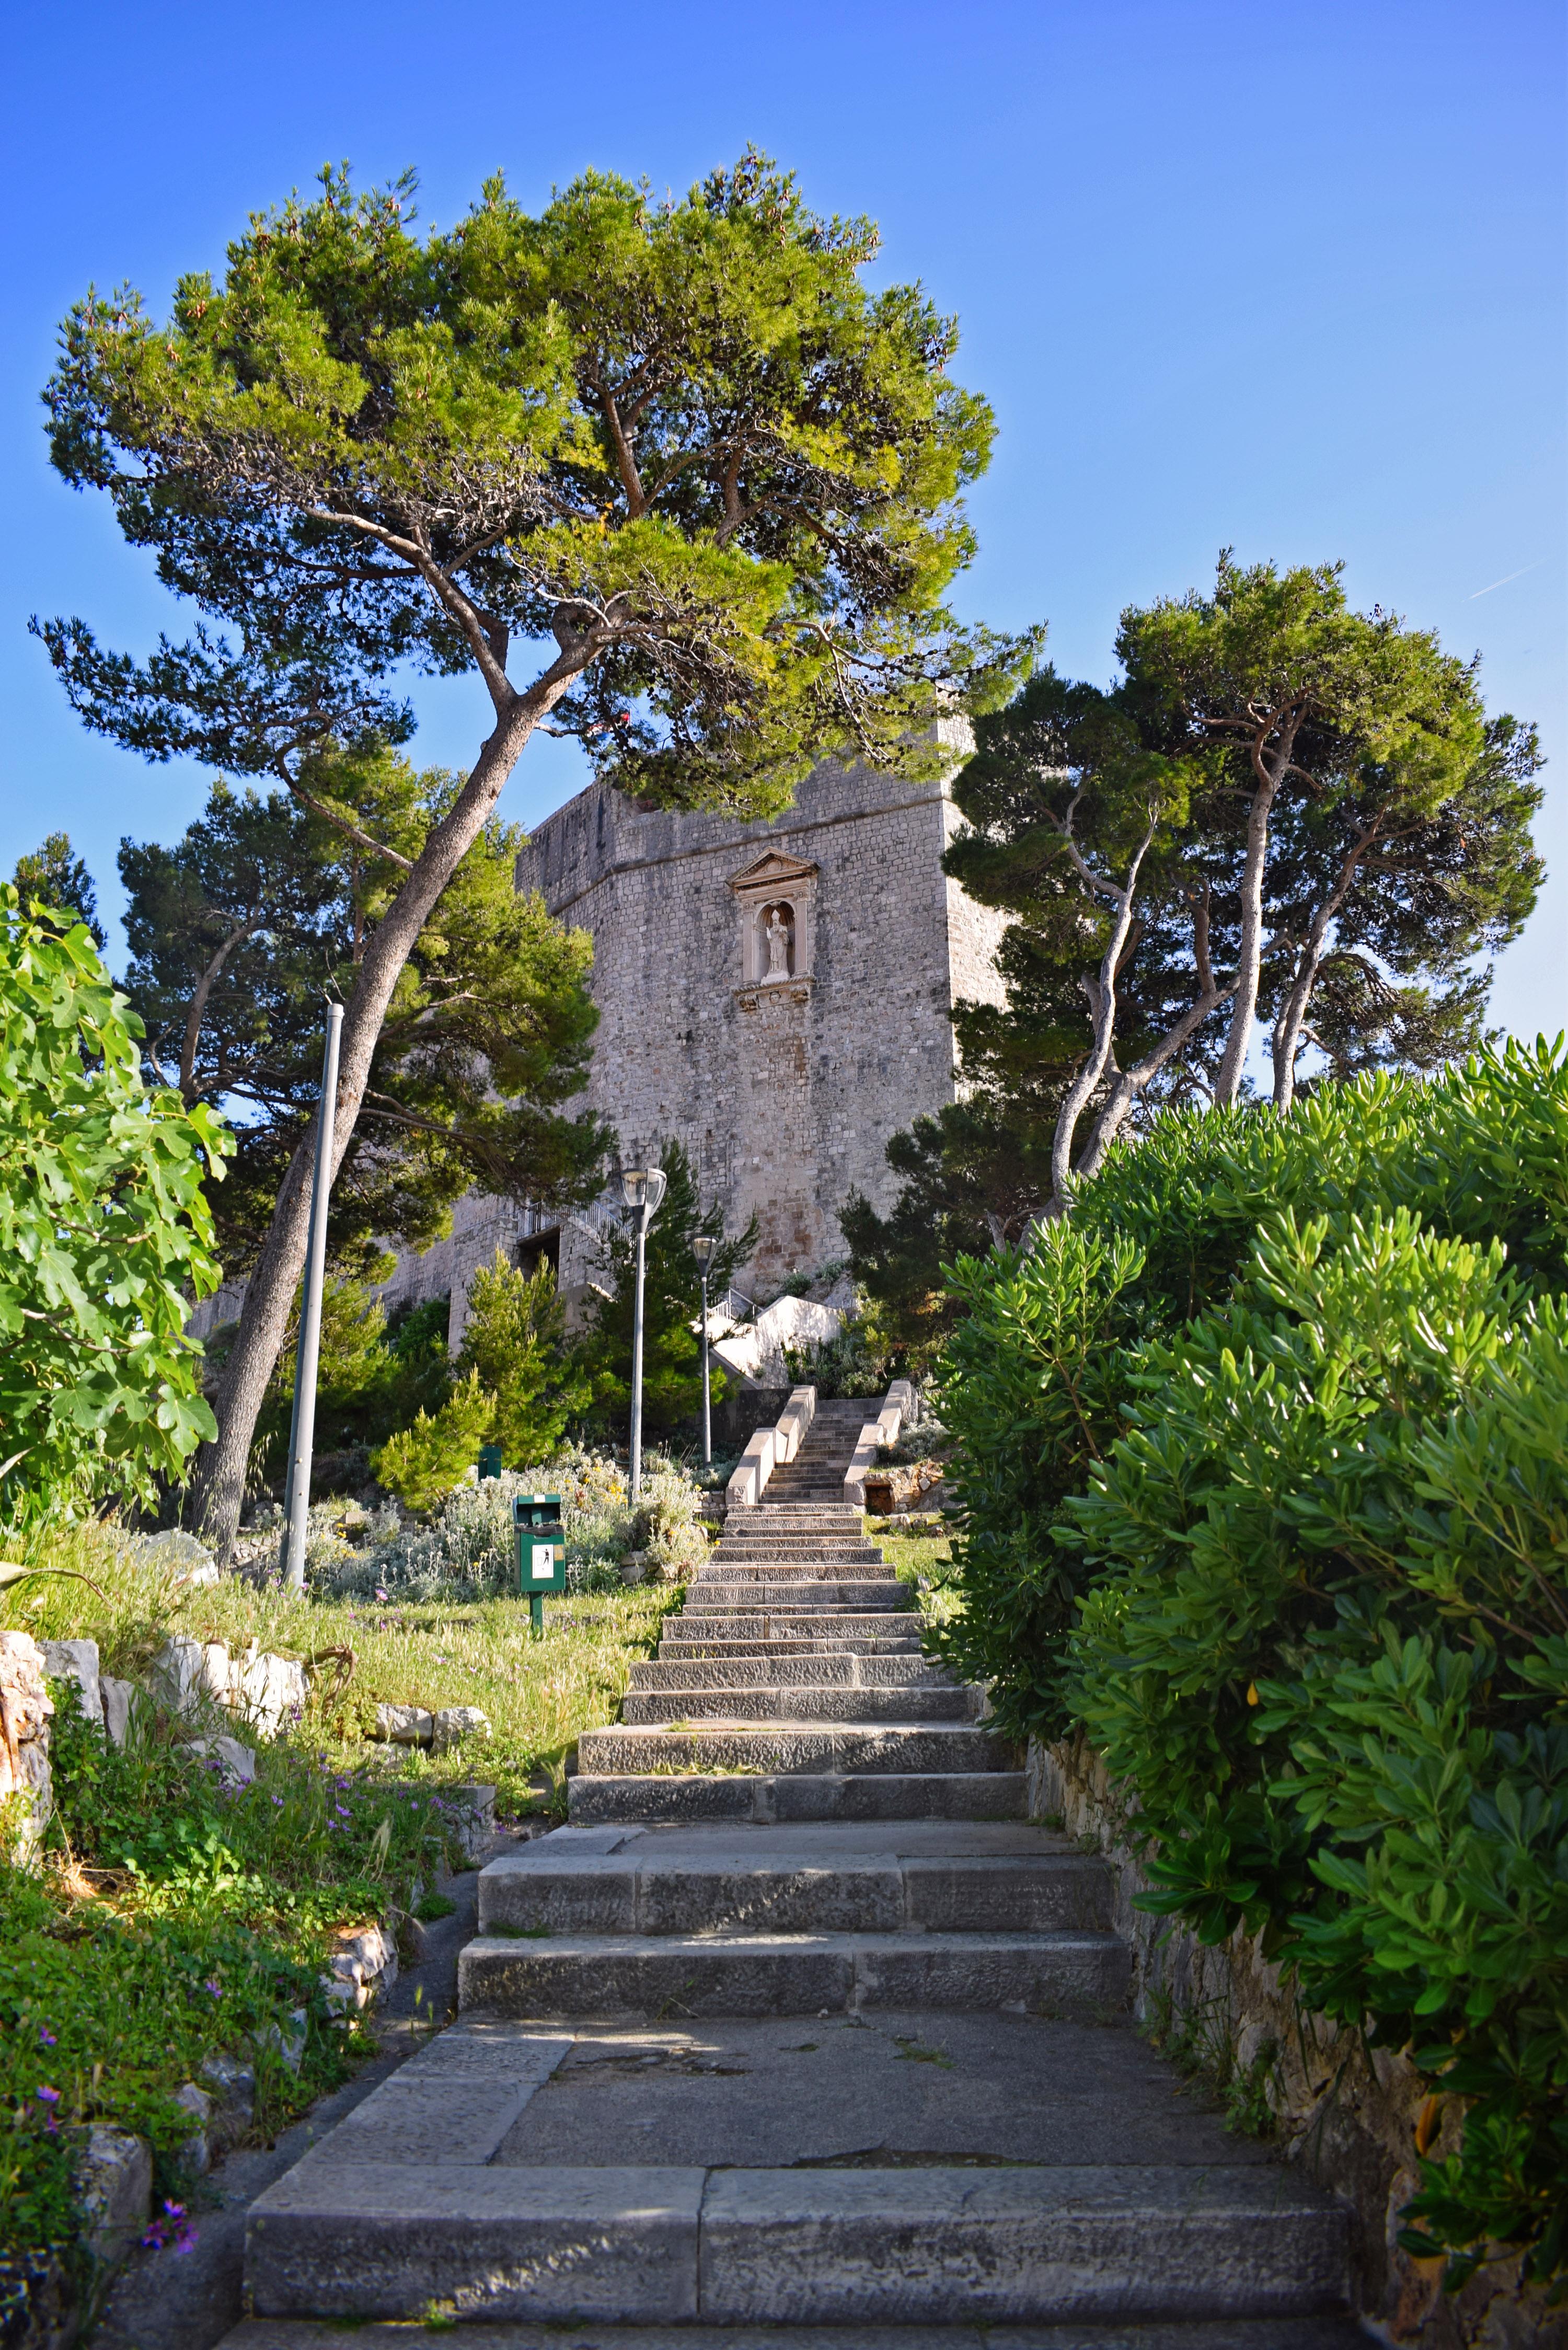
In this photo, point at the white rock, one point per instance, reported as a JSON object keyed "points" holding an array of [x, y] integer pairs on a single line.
{"points": [[364, 1965], [116, 2188], [238, 1762], [453, 1724], [195, 2153], [470, 1818], [288, 2043], [26, 1710], [200, 1576], [179, 1672], [175, 1548], [231, 2082], [76, 1660], [405, 1725], [268, 1692], [118, 1698]]}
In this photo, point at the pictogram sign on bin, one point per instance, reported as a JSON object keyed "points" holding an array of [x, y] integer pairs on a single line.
{"points": [[540, 1550]]}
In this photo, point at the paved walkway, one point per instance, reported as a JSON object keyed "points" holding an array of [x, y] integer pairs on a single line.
{"points": [[799, 2035]]}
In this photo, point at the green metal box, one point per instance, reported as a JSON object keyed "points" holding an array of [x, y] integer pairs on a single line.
{"points": [[541, 1544]]}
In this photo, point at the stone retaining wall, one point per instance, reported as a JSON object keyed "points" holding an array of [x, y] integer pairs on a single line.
{"points": [[1350, 2114]]}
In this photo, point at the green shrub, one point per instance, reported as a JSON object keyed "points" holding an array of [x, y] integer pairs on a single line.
{"points": [[423, 1461], [1266, 1460], [104, 1234]]}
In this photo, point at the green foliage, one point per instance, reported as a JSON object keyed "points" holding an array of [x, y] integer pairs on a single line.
{"points": [[672, 1305], [515, 1343], [52, 879], [263, 907], [104, 1228], [1293, 1398], [374, 1374], [685, 430], [972, 1177], [210, 1930], [423, 1461]]}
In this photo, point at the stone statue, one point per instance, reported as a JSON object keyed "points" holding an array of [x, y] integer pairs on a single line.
{"points": [[778, 947]]}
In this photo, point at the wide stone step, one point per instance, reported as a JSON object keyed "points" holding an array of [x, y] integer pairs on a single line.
{"points": [[845, 1670], [635, 1891], [843, 1644], [801, 1702], [772, 1578], [881, 1626], [785, 1746], [717, 1974], [775, 1595], [1323, 2333], [693, 1797], [827, 1547]]}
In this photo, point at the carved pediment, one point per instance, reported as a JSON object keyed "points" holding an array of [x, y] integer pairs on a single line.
{"points": [[773, 871]]}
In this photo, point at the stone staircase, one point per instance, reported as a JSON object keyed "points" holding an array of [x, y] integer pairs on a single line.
{"points": [[799, 2025]]}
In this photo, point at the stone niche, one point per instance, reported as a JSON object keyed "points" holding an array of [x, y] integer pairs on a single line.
{"points": [[775, 900]]}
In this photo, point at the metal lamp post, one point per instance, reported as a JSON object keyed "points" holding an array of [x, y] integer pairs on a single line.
{"points": [[703, 1247], [641, 1188], [302, 1433]]}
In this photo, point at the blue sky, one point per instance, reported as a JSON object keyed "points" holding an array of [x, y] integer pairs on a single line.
{"points": [[1287, 278]]}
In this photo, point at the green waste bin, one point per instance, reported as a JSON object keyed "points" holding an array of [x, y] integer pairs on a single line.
{"points": [[540, 1550]]}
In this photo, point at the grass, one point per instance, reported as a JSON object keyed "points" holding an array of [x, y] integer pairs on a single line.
{"points": [[173, 1919], [924, 1560], [538, 1695]]}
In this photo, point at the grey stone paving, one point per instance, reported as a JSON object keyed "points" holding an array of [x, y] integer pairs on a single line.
{"points": [[799, 2038]]}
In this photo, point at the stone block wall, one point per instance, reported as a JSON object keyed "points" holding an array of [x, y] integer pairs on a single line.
{"points": [[783, 1091], [1348, 2112]]}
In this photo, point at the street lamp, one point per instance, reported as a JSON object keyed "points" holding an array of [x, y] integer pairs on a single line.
{"points": [[703, 1247], [641, 1188]]}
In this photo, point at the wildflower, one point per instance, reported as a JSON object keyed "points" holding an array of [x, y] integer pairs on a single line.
{"points": [[49, 2096], [278, 1801], [45, 2037], [214, 1986]]}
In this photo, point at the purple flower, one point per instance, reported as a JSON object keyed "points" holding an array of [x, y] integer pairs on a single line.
{"points": [[45, 2037], [214, 1986], [278, 1801], [49, 2096]]}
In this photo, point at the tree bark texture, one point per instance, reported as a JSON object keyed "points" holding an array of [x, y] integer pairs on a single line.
{"points": [[217, 1490], [1271, 774]]}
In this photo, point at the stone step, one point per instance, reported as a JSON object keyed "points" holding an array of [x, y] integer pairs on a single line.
{"points": [[1325, 2332], [843, 1644], [881, 1625], [772, 1575], [940, 1701], [764, 1544], [787, 1746], [845, 1670], [775, 1595], [681, 1799], [815, 1889], [718, 1974]]}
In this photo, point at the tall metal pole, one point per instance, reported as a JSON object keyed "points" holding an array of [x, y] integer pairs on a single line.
{"points": [[637, 1364], [302, 1434], [707, 1408]]}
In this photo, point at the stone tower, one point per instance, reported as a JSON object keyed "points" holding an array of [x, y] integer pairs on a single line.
{"points": [[776, 996]]}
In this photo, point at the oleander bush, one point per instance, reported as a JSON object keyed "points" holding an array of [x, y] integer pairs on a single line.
{"points": [[1264, 1452]]}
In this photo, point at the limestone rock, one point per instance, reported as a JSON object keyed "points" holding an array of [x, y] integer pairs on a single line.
{"points": [[405, 1725], [364, 1965], [453, 1724], [175, 1548], [117, 1699], [285, 2042], [232, 2083], [76, 1660], [195, 2152], [25, 1714], [470, 1819], [116, 2188], [237, 1762], [267, 1691]]}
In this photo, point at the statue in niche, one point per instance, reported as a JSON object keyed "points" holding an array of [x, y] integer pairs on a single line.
{"points": [[777, 936]]}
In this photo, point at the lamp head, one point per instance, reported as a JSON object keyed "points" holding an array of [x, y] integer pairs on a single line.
{"points": [[642, 1186], [703, 1247]]}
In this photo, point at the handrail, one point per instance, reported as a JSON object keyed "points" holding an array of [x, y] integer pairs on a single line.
{"points": [[898, 1405], [767, 1447]]}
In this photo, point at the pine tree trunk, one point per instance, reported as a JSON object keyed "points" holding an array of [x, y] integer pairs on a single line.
{"points": [[217, 1485]]}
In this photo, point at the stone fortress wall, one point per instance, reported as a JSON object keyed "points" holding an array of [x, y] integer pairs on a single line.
{"points": [[775, 996]]}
